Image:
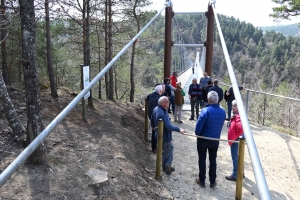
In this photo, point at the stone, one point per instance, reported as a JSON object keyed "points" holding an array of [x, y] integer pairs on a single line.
{"points": [[97, 176]]}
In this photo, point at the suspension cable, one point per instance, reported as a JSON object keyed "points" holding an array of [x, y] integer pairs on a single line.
{"points": [[256, 164]]}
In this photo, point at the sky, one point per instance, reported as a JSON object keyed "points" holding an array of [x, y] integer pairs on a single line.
{"points": [[252, 11]]}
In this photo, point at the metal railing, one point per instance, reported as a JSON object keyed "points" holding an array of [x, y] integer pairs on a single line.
{"points": [[275, 111], [184, 76], [256, 164], [44, 134]]}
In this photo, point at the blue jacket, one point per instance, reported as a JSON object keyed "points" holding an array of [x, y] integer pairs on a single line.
{"points": [[152, 102], [210, 121], [161, 113]]}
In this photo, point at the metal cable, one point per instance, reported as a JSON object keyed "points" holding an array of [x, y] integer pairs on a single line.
{"points": [[256, 164], [209, 138]]}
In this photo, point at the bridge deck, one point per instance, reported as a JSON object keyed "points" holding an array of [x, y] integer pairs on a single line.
{"points": [[186, 79]]}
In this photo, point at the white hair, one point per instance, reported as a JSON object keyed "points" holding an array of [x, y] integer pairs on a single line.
{"points": [[158, 88], [161, 99], [213, 96], [234, 102]]}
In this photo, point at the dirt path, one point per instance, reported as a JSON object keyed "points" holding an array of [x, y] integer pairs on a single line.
{"points": [[279, 155]]}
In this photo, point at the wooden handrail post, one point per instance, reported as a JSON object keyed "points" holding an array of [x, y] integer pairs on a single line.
{"points": [[159, 148], [240, 171], [146, 121]]}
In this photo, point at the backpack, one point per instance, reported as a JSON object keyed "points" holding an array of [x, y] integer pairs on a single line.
{"points": [[225, 96]]}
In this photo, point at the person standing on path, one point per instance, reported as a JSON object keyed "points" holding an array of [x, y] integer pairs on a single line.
{"points": [[230, 97], [168, 92], [205, 91], [152, 103], [235, 130], [204, 80], [195, 96], [179, 94], [203, 83], [193, 68], [160, 112], [173, 79], [209, 124], [172, 98], [218, 90]]}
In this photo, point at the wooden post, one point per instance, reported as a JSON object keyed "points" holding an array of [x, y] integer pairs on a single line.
{"points": [[159, 148], [146, 121], [264, 110], [240, 172], [209, 40], [82, 101], [168, 41], [247, 102]]}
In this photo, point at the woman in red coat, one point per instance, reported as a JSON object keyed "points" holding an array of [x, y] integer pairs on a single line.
{"points": [[235, 130]]}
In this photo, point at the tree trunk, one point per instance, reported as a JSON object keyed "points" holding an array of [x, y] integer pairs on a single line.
{"points": [[106, 46], [33, 102], [99, 58], [116, 85], [111, 72], [49, 52], [9, 110], [88, 47], [132, 84], [132, 74], [3, 43], [86, 40]]}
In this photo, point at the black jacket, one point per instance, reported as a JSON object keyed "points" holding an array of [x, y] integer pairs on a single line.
{"points": [[218, 90], [152, 103], [231, 96], [205, 91]]}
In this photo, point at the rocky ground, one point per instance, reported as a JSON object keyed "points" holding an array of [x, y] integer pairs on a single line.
{"points": [[112, 140]]}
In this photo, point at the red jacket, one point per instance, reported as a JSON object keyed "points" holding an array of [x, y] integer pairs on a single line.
{"points": [[174, 81], [235, 128]]}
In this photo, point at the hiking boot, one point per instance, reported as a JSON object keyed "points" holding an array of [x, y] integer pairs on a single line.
{"points": [[202, 184], [192, 118], [213, 185], [230, 178], [168, 170], [172, 169]]}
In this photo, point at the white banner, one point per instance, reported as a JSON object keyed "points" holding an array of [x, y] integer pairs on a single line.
{"points": [[86, 79]]}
